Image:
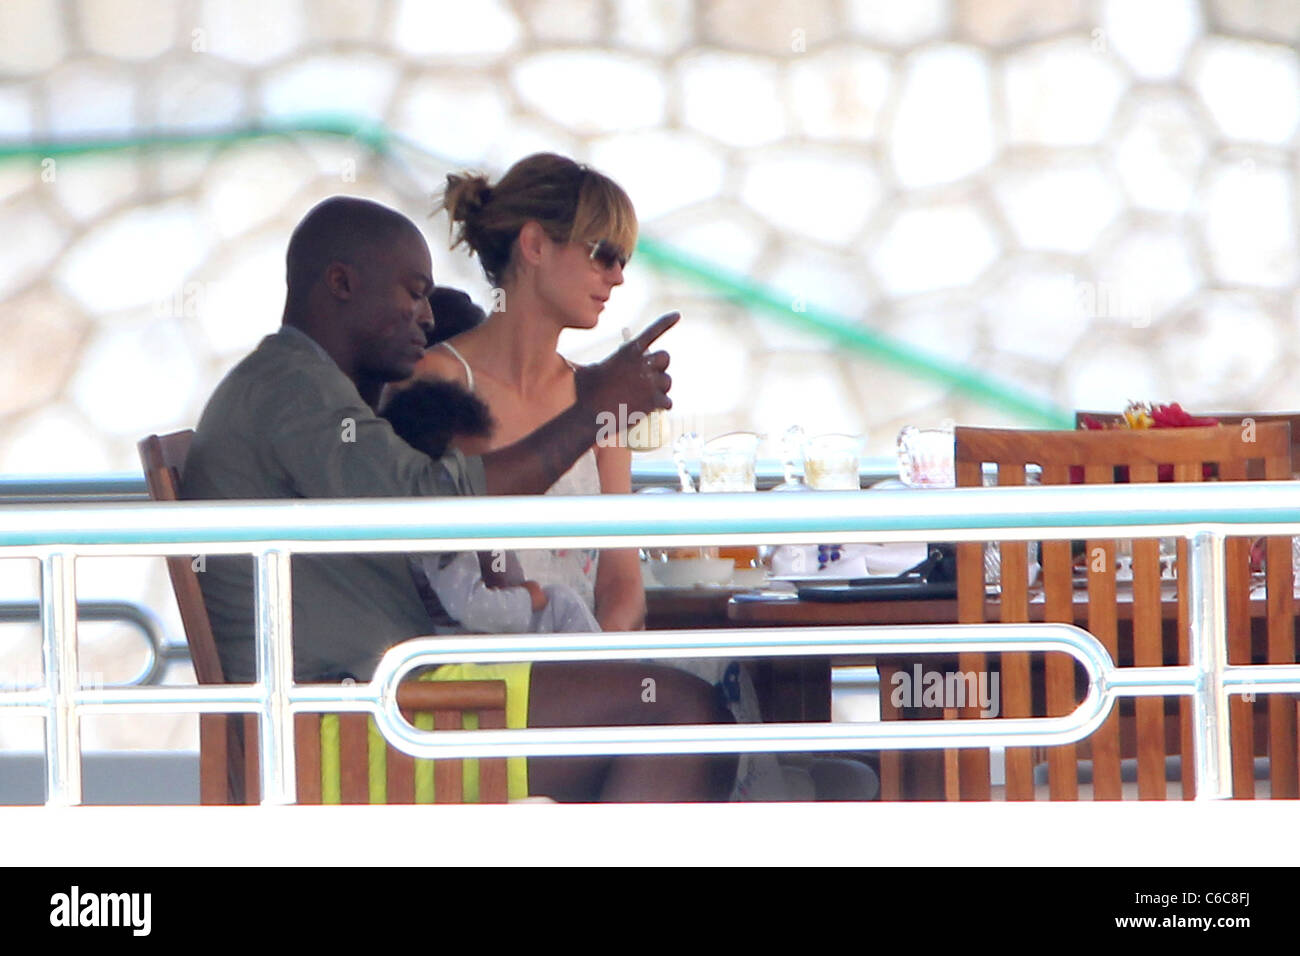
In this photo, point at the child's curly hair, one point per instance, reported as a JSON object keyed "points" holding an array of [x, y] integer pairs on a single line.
{"points": [[427, 414]]}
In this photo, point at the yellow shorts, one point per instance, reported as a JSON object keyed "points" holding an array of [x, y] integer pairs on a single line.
{"points": [[516, 677]]}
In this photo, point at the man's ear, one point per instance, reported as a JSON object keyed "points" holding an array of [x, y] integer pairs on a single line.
{"points": [[532, 239], [340, 280]]}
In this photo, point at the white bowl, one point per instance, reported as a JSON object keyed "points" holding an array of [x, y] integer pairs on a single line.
{"points": [[687, 572]]}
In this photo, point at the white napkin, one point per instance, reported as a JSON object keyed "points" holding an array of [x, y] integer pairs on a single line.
{"points": [[855, 561], [894, 559]]}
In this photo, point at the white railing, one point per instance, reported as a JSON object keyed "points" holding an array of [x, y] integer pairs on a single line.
{"points": [[272, 531]]}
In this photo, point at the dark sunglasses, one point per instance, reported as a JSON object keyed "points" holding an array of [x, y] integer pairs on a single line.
{"points": [[605, 254]]}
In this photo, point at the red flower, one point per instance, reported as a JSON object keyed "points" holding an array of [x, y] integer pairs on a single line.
{"points": [[1173, 416]]}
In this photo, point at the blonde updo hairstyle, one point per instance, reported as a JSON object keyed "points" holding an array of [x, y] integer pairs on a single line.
{"points": [[571, 202]]}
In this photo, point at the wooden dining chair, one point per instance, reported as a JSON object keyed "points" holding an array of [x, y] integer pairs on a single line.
{"points": [[1047, 685], [340, 757], [1224, 418]]}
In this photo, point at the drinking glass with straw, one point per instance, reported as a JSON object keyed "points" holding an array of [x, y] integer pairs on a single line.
{"points": [[651, 432]]}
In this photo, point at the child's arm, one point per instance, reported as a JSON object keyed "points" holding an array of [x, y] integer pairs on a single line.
{"points": [[500, 569], [459, 588], [540, 600]]}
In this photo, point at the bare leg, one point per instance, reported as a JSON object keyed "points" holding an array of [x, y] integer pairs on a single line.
{"points": [[610, 694]]}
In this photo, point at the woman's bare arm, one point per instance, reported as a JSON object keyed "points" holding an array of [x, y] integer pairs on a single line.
{"points": [[620, 593]]}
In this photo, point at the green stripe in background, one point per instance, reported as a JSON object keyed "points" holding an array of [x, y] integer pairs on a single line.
{"points": [[842, 331]]}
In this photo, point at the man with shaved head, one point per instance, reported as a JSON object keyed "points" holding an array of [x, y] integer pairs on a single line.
{"points": [[295, 419]]}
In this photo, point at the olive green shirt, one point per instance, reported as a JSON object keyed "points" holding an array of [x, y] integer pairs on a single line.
{"points": [[287, 423]]}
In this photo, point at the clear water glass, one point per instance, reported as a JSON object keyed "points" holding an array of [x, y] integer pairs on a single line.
{"points": [[727, 463], [832, 462], [926, 457]]}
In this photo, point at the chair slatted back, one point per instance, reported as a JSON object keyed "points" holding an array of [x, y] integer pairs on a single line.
{"points": [[1225, 418], [1144, 632], [228, 762]]}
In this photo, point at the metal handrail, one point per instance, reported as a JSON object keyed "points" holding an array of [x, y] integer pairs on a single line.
{"points": [[272, 531], [396, 524], [162, 654], [33, 488]]}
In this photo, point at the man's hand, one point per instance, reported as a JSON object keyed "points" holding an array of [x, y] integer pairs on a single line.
{"points": [[629, 377]]}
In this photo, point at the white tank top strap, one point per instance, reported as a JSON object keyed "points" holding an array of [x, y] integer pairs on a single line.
{"points": [[469, 372]]}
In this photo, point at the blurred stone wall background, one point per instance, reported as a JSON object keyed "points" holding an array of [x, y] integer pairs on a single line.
{"points": [[1093, 199]]}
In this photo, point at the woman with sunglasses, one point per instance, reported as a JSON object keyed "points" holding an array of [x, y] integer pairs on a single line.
{"points": [[552, 237]]}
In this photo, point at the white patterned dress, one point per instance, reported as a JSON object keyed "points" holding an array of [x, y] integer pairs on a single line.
{"points": [[572, 567], [758, 776]]}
